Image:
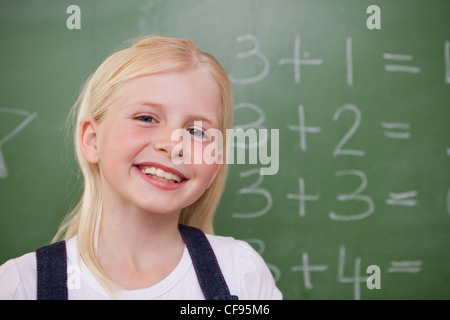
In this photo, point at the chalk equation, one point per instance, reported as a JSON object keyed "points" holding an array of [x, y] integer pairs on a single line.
{"points": [[348, 271], [391, 130], [395, 62], [345, 274]]}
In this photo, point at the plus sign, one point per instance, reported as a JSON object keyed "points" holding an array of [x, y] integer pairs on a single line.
{"points": [[302, 128], [306, 268], [296, 61], [302, 197]]}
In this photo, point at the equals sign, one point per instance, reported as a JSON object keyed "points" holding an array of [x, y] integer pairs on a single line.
{"points": [[391, 128], [399, 68], [405, 266], [401, 199]]}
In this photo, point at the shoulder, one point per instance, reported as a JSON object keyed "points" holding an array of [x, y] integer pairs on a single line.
{"points": [[228, 246], [244, 269], [18, 278]]}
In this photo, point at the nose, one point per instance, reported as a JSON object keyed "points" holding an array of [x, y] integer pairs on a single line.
{"points": [[167, 141]]}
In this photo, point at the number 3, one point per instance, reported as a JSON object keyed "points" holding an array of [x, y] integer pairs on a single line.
{"points": [[355, 195], [253, 52], [254, 189]]}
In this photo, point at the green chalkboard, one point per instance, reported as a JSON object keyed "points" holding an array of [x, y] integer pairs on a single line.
{"points": [[360, 97]]}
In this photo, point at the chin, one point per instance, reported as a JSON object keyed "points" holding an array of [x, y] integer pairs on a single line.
{"points": [[159, 206], [161, 210]]}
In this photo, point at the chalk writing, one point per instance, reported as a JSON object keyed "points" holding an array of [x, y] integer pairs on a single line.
{"points": [[346, 275], [257, 124], [29, 116], [349, 61], [302, 197], [254, 189], [253, 52], [399, 68], [356, 279], [402, 199], [354, 196], [306, 268], [405, 266], [302, 128], [297, 61], [392, 126], [447, 61], [448, 202], [338, 150], [355, 192]]}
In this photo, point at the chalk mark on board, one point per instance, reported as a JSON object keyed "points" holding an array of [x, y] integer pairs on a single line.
{"points": [[356, 279], [349, 60], [392, 126], [405, 266], [254, 189], [307, 269], [297, 62], [447, 61], [302, 197], [253, 52], [338, 150], [257, 124], [402, 199], [448, 202], [354, 196], [302, 129], [399, 68], [28, 118]]}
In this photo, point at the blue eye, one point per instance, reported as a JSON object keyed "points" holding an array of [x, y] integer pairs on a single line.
{"points": [[145, 118], [197, 133]]}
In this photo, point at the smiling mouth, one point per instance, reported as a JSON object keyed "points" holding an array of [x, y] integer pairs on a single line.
{"points": [[160, 174]]}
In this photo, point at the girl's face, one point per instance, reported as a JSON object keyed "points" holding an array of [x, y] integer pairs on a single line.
{"points": [[132, 143]]}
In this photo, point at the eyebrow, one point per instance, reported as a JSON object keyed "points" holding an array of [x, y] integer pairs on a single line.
{"points": [[210, 122], [145, 103]]}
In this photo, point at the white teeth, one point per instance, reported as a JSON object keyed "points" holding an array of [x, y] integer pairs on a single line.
{"points": [[168, 176], [161, 174]]}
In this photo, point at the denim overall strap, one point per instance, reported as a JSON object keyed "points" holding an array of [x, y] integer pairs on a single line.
{"points": [[51, 265], [205, 263]]}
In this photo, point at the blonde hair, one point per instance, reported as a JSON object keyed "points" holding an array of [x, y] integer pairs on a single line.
{"points": [[147, 56]]}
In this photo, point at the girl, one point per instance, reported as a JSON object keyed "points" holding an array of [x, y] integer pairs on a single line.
{"points": [[135, 233]]}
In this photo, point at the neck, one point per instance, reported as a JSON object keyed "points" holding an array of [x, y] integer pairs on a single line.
{"points": [[133, 231], [134, 242]]}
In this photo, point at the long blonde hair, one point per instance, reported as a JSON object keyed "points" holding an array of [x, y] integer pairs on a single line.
{"points": [[147, 56]]}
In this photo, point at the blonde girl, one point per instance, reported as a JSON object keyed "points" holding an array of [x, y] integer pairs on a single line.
{"points": [[143, 226]]}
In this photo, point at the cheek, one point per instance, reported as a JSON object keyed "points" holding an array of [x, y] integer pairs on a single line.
{"points": [[205, 174], [119, 143], [206, 161]]}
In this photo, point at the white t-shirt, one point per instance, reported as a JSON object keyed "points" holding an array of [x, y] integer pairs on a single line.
{"points": [[244, 270]]}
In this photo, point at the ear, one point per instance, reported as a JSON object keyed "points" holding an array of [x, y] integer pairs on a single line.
{"points": [[88, 140]]}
